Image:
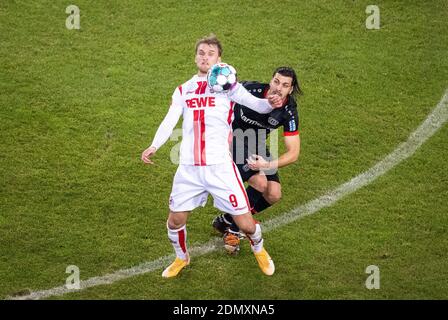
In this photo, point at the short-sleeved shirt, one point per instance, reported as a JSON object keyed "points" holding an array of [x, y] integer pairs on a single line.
{"points": [[287, 116], [249, 124]]}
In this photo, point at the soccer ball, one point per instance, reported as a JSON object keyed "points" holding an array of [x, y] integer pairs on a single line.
{"points": [[221, 77]]}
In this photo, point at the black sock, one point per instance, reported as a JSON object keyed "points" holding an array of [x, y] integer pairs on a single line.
{"points": [[233, 225], [261, 205], [228, 218], [253, 195]]}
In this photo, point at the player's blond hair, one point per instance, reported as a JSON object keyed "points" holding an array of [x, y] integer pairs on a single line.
{"points": [[211, 39]]}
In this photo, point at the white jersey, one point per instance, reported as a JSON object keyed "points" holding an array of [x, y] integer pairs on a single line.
{"points": [[207, 121]]}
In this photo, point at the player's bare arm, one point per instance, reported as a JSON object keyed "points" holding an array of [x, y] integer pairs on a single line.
{"points": [[292, 144]]}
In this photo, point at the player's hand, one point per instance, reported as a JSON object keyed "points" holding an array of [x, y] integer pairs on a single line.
{"points": [[257, 163], [275, 101], [148, 153]]}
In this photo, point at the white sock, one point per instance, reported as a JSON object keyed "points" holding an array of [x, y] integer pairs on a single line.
{"points": [[178, 238], [256, 239]]}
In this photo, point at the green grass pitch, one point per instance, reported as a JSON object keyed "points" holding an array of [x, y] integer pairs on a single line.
{"points": [[77, 108]]}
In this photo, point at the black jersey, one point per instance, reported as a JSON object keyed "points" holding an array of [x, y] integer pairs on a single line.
{"points": [[287, 116], [251, 129]]}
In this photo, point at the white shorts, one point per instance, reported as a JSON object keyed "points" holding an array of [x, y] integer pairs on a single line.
{"points": [[192, 185]]}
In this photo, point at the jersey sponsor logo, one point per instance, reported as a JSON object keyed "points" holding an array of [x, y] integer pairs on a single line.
{"points": [[250, 121], [201, 102], [272, 121]]}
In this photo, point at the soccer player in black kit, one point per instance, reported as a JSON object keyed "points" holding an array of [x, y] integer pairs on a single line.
{"points": [[250, 151]]}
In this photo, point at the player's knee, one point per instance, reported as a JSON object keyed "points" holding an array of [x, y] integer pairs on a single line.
{"points": [[273, 197], [173, 225], [262, 186], [248, 228], [259, 183], [175, 221]]}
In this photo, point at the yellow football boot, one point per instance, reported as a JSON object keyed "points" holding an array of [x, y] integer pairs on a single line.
{"points": [[173, 269], [265, 262]]}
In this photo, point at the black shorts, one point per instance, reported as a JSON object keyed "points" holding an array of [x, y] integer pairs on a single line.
{"points": [[246, 173], [241, 150]]}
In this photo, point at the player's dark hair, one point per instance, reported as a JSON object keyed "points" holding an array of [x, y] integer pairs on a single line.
{"points": [[289, 72], [211, 39]]}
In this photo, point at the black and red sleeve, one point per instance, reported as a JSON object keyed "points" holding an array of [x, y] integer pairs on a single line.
{"points": [[291, 123]]}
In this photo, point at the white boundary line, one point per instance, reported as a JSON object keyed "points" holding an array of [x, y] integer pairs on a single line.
{"points": [[433, 122]]}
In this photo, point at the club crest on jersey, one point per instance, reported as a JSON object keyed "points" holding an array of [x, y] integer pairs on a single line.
{"points": [[272, 121], [199, 87]]}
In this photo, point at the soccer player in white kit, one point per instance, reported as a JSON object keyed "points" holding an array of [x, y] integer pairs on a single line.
{"points": [[206, 165]]}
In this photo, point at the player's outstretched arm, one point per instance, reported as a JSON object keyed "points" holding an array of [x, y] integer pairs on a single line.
{"points": [[240, 95], [163, 133]]}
